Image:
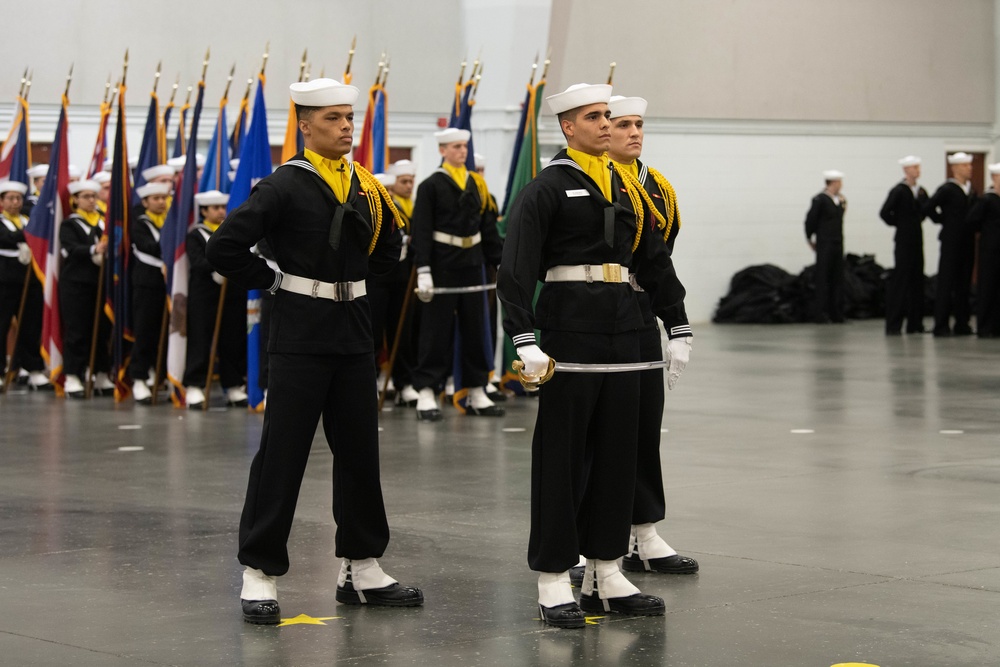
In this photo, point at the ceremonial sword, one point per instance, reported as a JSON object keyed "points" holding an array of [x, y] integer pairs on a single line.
{"points": [[534, 381], [461, 290]]}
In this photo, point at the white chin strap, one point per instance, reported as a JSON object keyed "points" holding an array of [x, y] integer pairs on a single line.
{"points": [[258, 586], [363, 574], [647, 543], [427, 400], [604, 577], [554, 589]]}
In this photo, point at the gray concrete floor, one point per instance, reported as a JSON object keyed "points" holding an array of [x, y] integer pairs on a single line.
{"points": [[873, 538]]}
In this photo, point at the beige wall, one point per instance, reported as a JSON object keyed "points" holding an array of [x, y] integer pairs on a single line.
{"points": [[850, 60]]}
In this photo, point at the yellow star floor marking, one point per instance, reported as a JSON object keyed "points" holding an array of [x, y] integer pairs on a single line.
{"points": [[304, 619], [592, 620]]}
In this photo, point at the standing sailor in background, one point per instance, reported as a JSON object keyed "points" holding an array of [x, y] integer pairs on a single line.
{"points": [[406, 357], [904, 209], [15, 258], [949, 207], [149, 290], [204, 290], [647, 550], [454, 234], [985, 218], [82, 244], [825, 235]]}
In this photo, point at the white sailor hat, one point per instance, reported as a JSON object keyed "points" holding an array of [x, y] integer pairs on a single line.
{"points": [[108, 164], [480, 160], [451, 135], [323, 93], [232, 176], [38, 171], [150, 189], [959, 158], [79, 186], [386, 179], [13, 186], [833, 175], [101, 177], [994, 168], [177, 163], [74, 171], [157, 171], [211, 198], [402, 168], [909, 161], [627, 106], [199, 160], [234, 164], [133, 162], [579, 95]]}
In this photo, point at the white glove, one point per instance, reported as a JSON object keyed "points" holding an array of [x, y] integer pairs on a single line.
{"points": [[536, 362], [678, 353], [406, 247], [217, 277], [97, 257], [425, 286], [23, 254]]}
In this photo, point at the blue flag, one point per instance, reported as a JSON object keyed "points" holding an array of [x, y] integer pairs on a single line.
{"points": [[216, 173], [149, 151], [255, 164]]}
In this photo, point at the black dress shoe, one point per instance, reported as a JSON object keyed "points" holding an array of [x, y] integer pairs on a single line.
{"points": [[630, 605], [675, 564], [963, 331], [393, 595], [576, 575], [488, 411], [893, 332], [433, 415], [942, 333], [567, 615], [401, 402], [497, 396], [261, 612]]}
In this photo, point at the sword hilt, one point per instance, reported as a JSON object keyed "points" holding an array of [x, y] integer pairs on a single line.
{"points": [[533, 382]]}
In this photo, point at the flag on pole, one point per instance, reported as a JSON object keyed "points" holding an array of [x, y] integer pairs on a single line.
{"points": [[464, 122], [373, 146], [15, 154], [118, 294], [173, 250], [181, 123], [161, 135], [42, 236], [216, 173], [293, 138], [255, 164], [101, 143], [149, 150], [240, 128], [524, 166]]}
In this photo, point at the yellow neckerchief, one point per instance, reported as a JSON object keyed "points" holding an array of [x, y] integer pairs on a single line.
{"points": [[91, 219], [595, 166], [16, 219], [157, 218], [404, 205], [336, 173], [212, 226], [632, 168], [459, 174]]}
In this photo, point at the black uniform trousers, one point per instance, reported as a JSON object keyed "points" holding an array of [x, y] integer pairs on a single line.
{"points": [[649, 505], [302, 388], [27, 350], [829, 280], [954, 283], [147, 322], [583, 453], [76, 304], [904, 299], [203, 304], [437, 333], [988, 302], [386, 300]]}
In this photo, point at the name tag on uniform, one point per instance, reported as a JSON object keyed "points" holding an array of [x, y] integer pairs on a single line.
{"points": [[577, 193]]}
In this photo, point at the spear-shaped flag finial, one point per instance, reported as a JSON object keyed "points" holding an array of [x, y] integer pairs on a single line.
{"points": [[611, 73]]}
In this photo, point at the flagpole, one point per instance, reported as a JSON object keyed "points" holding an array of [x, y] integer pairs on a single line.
{"points": [[350, 59], [215, 344], [157, 374], [267, 51], [611, 74], [11, 371], [404, 312]]}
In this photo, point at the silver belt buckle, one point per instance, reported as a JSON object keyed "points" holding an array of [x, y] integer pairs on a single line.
{"points": [[587, 274], [315, 289], [343, 291]]}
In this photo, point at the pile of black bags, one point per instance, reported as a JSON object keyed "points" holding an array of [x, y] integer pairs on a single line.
{"points": [[767, 294]]}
